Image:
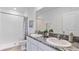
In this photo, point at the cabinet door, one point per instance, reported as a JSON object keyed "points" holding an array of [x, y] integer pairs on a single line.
{"points": [[28, 44], [32, 45], [43, 47]]}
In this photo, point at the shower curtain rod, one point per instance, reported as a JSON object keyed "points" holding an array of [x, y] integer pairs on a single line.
{"points": [[12, 14]]}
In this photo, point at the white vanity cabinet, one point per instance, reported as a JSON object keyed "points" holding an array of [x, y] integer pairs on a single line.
{"points": [[43, 47], [34, 45]]}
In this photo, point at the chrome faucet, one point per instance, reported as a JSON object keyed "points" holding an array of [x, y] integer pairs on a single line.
{"points": [[63, 37], [58, 36]]}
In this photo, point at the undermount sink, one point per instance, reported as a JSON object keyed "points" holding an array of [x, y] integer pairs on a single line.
{"points": [[59, 43], [36, 35]]}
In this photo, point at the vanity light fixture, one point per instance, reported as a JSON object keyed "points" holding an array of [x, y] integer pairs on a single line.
{"points": [[14, 8]]}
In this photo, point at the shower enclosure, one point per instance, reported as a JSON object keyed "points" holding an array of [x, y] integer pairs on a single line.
{"points": [[12, 29]]}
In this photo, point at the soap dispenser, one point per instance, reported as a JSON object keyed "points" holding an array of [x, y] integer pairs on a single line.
{"points": [[71, 37]]}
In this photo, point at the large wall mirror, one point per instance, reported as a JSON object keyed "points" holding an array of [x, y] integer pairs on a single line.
{"points": [[71, 22], [60, 19]]}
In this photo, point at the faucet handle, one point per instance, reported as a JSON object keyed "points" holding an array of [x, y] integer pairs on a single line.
{"points": [[58, 36], [63, 32]]}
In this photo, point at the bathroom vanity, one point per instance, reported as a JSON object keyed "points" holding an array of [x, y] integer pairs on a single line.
{"points": [[40, 44]]}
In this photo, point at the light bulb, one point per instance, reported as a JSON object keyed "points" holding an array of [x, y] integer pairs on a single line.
{"points": [[14, 8]]}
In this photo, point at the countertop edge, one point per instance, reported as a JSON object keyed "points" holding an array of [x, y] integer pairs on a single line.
{"points": [[45, 43]]}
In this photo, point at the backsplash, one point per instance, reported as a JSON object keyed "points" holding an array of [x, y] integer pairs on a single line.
{"points": [[61, 36], [66, 37], [76, 39]]}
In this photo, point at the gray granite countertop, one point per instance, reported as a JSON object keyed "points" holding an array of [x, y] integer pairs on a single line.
{"points": [[74, 47]]}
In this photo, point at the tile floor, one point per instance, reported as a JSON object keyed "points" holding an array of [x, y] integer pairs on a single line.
{"points": [[17, 48]]}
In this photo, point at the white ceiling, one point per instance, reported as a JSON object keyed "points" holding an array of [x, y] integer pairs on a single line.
{"points": [[39, 8], [18, 9], [45, 9], [60, 9]]}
